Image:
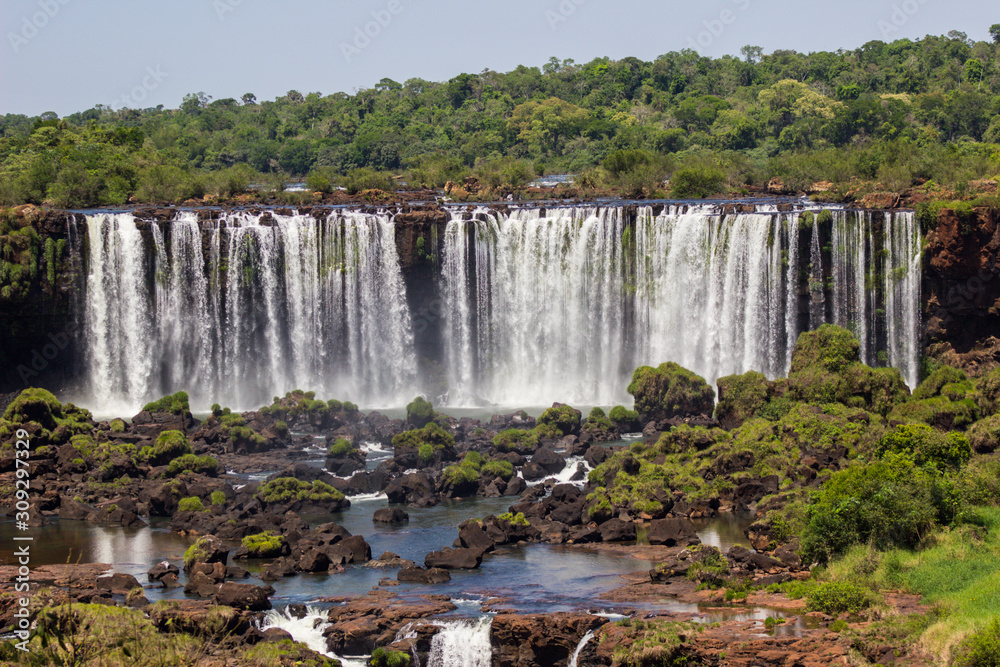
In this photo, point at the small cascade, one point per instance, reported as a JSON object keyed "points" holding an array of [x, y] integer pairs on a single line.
{"points": [[464, 643], [307, 630], [579, 648]]}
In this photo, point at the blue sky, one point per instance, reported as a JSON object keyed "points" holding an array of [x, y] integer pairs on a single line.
{"points": [[70, 55]]}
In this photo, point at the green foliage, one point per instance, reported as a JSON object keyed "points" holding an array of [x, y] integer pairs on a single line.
{"points": [[516, 440], [419, 412], [217, 498], [202, 465], [197, 552], [264, 545], [836, 597], [428, 441], [169, 445], [460, 475], [981, 649], [741, 397], [341, 447], [289, 489], [176, 404], [697, 182], [825, 369], [670, 391], [622, 416], [117, 426], [190, 504], [385, 657], [498, 468], [927, 446], [563, 418], [888, 502], [515, 519]]}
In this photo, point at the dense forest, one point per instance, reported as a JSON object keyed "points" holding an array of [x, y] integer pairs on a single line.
{"points": [[880, 117]]}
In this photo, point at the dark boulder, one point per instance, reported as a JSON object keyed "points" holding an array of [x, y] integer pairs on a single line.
{"points": [[390, 515], [454, 559], [673, 532], [418, 575]]}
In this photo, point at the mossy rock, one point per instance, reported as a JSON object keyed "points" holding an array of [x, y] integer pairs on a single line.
{"points": [[562, 418], [825, 369], [419, 412], [430, 436], [954, 379], [940, 412], [169, 446], [984, 435], [670, 391], [516, 440], [291, 490], [741, 397], [829, 347], [988, 388], [599, 427], [264, 545], [175, 404]]}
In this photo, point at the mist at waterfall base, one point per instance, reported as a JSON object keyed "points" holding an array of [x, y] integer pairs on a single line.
{"points": [[536, 306]]}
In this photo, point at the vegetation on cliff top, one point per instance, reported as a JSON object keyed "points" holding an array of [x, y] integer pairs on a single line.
{"points": [[882, 116]]}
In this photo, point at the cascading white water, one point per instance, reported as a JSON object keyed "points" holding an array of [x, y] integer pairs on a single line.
{"points": [[902, 293], [538, 305], [307, 630], [579, 648], [121, 366], [543, 313], [564, 305], [462, 644], [291, 302]]}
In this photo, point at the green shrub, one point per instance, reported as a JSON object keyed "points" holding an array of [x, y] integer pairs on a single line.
{"points": [[697, 182], [562, 417], [741, 397], [385, 657], [927, 446], [981, 649], [837, 597], [431, 434], [425, 453], [516, 440], [286, 489], [218, 498], [935, 383], [623, 417], [117, 426], [341, 447], [984, 435], [203, 465], [169, 446], [514, 519], [473, 459], [264, 545], [498, 468], [888, 502], [191, 504], [460, 475], [176, 404], [670, 391], [419, 412]]}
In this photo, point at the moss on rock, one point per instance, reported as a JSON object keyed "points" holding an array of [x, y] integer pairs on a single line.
{"points": [[669, 391]]}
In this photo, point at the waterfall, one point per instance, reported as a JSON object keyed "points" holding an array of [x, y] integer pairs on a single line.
{"points": [[243, 308], [579, 648], [119, 325], [536, 304], [563, 304], [307, 630], [902, 293], [462, 644]]}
